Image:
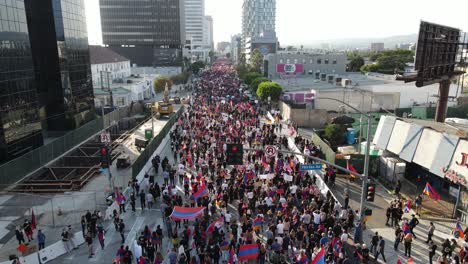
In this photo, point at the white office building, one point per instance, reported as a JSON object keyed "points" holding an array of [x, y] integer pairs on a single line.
{"points": [[194, 20], [105, 60]]}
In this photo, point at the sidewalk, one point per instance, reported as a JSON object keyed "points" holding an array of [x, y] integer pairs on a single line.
{"points": [[16, 207]]}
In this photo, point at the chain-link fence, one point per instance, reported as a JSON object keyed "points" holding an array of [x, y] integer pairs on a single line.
{"points": [[52, 210]]}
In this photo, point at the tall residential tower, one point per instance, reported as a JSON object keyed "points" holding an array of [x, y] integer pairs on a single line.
{"points": [[258, 26]]}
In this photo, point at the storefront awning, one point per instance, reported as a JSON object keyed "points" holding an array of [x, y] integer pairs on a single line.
{"points": [[404, 139], [435, 150], [457, 172], [384, 131]]}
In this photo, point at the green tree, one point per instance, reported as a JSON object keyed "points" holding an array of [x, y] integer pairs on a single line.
{"points": [[256, 60], [197, 66], [390, 61], [271, 89], [355, 63], [256, 82], [250, 76], [159, 84], [181, 78], [335, 134]]}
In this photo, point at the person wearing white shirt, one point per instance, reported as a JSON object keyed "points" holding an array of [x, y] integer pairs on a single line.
{"points": [[316, 215], [282, 199], [269, 201], [344, 237], [293, 189], [280, 228], [306, 217], [227, 217]]}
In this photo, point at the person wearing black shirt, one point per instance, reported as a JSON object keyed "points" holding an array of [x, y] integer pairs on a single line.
{"points": [[121, 230], [432, 251]]}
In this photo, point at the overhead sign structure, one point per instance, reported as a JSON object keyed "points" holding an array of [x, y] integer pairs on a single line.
{"points": [[313, 166], [105, 137], [271, 151]]}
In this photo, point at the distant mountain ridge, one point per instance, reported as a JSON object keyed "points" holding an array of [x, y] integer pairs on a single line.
{"points": [[360, 43]]}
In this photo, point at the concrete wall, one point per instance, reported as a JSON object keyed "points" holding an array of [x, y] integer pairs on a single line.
{"points": [[386, 100], [310, 118]]}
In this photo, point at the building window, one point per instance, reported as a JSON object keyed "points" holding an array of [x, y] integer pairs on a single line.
{"points": [[295, 60], [311, 61], [326, 61], [121, 101], [281, 60], [287, 61], [334, 61], [319, 61]]}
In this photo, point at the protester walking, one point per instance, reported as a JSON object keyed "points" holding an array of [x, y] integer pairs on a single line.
{"points": [[40, 239]]}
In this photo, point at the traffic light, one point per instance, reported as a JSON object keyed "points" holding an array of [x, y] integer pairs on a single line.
{"points": [[370, 192], [234, 154], [105, 157]]}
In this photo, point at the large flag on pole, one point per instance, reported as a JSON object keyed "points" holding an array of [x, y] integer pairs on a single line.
{"points": [[350, 167], [431, 192], [186, 213]]}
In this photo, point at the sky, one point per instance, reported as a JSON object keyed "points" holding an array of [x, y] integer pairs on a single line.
{"points": [[309, 21]]}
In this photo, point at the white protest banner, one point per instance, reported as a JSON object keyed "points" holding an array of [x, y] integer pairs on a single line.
{"points": [[287, 177]]}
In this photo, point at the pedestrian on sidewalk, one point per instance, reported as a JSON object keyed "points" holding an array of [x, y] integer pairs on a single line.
{"points": [[89, 242], [381, 249], [142, 200], [149, 200], [101, 238], [28, 230], [412, 224], [121, 202], [432, 251], [388, 213], [398, 188], [19, 235], [65, 239], [408, 239], [430, 232], [122, 230], [133, 202], [418, 203], [374, 243], [41, 239]]}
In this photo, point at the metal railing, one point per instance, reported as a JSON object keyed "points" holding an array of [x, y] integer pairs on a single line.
{"points": [[145, 156], [15, 170]]}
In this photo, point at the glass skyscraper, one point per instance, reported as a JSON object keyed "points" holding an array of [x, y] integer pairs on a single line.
{"points": [[59, 44], [20, 126], [149, 33]]}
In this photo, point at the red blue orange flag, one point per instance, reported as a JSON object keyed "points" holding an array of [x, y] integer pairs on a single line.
{"points": [[186, 213], [202, 192], [319, 258], [431, 192], [212, 226], [459, 228], [248, 251]]}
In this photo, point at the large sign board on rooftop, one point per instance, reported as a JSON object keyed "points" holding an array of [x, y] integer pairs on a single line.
{"points": [[436, 52]]}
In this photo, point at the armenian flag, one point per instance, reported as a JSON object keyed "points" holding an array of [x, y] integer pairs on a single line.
{"points": [[248, 251], [265, 163], [302, 259], [431, 192], [257, 223], [186, 213], [407, 206], [350, 167], [202, 192], [319, 258], [212, 226], [459, 228]]}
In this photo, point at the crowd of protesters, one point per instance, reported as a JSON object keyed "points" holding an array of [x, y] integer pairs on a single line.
{"points": [[266, 202]]}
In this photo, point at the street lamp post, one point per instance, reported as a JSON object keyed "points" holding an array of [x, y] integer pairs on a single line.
{"points": [[365, 175]]}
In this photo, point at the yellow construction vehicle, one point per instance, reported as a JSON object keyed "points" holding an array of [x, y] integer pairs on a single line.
{"points": [[162, 108]]}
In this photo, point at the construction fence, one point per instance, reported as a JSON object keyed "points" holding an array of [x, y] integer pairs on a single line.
{"points": [[15, 170], [145, 156], [54, 210]]}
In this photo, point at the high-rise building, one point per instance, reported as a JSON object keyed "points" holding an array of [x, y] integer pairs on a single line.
{"points": [[377, 47], [60, 52], [194, 19], [149, 33], [236, 47], [223, 47], [208, 32], [20, 126], [258, 26], [258, 16]]}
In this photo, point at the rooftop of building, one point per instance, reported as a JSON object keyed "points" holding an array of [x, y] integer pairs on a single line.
{"points": [[448, 127], [100, 55], [115, 91]]}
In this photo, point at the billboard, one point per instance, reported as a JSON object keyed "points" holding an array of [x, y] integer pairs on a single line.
{"points": [[264, 48], [289, 68], [436, 52]]}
